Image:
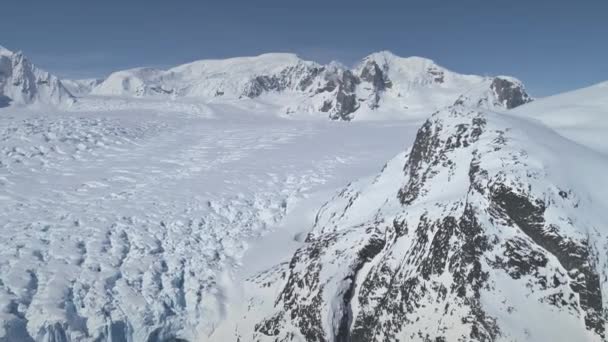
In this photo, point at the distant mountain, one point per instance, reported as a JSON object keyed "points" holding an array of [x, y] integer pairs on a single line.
{"points": [[380, 83], [490, 228], [22, 83]]}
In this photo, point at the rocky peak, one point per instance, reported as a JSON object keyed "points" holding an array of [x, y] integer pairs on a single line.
{"points": [[509, 92], [471, 238], [22, 83], [346, 99], [376, 75], [499, 92]]}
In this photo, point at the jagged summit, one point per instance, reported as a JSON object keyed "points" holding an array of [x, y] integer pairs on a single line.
{"points": [[22, 83]]}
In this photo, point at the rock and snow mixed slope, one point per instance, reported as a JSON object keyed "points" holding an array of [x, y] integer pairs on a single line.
{"points": [[381, 84], [22, 83], [490, 228]]}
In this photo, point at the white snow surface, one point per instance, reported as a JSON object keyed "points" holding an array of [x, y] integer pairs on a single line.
{"points": [[130, 224], [580, 115]]}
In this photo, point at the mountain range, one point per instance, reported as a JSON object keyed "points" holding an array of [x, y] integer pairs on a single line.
{"points": [[380, 83]]}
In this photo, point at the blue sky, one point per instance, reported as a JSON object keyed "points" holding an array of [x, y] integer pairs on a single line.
{"points": [[552, 46]]}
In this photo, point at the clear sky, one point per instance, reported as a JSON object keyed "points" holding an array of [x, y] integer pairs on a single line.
{"points": [[552, 46]]}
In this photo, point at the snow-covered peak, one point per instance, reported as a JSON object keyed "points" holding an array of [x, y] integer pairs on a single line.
{"points": [[486, 229], [500, 92], [404, 70], [207, 79], [387, 57], [5, 51], [418, 86], [22, 83]]}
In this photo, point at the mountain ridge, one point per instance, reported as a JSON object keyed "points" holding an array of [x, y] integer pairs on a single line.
{"points": [[22, 83], [380, 82], [485, 225]]}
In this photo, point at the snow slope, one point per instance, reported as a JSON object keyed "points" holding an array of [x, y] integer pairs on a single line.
{"points": [[22, 83], [580, 115], [203, 79], [382, 85], [488, 228]]}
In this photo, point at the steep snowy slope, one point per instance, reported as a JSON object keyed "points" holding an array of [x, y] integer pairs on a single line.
{"points": [[490, 228], [580, 115], [22, 83], [381, 85]]}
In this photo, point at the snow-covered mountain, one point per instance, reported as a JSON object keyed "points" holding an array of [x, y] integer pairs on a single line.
{"points": [[418, 86], [490, 228], [382, 85], [381, 82], [22, 83]]}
